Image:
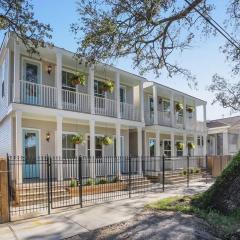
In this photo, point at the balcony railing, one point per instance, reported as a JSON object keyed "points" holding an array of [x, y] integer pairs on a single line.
{"points": [[76, 101], [129, 111], [179, 120], [38, 94], [149, 117], [106, 107], [164, 118]]}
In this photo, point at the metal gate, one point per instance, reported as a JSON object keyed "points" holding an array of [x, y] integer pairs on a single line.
{"points": [[87, 181]]}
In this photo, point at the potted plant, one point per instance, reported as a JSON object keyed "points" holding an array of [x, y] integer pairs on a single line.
{"points": [[109, 86], [190, 109], [73, 182], [78, 139], [79, 78], [191, 145], [106, 140], [179, 146], [179, 107]]}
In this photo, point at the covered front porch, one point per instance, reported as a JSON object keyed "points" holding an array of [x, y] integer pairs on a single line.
{"points": [[65, 138]]}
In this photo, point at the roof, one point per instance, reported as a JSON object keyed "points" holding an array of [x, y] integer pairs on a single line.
{"points": [[223, 122]]}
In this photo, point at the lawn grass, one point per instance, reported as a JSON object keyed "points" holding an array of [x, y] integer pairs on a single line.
{"points": [[224, 225]]}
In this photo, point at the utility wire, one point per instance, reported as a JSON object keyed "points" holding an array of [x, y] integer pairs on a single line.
{"points": [[218, 27]]}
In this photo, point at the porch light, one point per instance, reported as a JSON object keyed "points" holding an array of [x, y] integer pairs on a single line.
{"points": [[48, 136], [49, 69]]}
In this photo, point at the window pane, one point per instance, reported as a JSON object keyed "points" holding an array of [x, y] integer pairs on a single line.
{"points": [[30, 148], [31, 73]]}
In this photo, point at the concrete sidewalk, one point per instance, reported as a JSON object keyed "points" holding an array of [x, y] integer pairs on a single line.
{"points": [[70, 223]]}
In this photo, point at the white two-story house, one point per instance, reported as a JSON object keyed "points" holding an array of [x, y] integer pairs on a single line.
{"points": [[42, 109], [172, 124]]}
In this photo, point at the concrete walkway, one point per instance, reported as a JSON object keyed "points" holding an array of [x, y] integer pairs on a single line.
{"points": [[70, 223]]}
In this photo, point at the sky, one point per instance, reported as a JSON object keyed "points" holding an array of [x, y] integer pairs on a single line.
{"points": [[204, 58]]}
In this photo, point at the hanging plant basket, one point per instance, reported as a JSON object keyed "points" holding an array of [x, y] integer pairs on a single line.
{"points": [[108, 86], [106, 140], [190, 109], [191, 145], [78, 139], [179, 107], [180, 146], [79, 78]]}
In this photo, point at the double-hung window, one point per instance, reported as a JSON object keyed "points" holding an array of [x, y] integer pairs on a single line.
{"points": [[68, 147], [69, 87]]}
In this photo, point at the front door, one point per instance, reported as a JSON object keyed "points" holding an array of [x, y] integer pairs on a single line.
{"points": [[151, 110], [31, 87], [30, 154]]}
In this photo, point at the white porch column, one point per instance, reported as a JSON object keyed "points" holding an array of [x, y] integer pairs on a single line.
{"points": [[155, 105], [185, 152], [58, 143], [172, 145], [91, 88], [157, 153], [92, 148], [117, 93], [16, 74], [184, 112], [225, 143], [204, 144], [205, 114], [58, 79], [196, 144], [118, 147], [19, 146], [172, 107], [139, 142], [141, 99]]}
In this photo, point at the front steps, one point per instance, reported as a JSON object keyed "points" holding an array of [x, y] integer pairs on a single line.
{"points": [[177, 177]]}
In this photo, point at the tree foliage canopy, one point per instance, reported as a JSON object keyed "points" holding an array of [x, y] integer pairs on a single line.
{"points": [[150, 31], [17, 16]]}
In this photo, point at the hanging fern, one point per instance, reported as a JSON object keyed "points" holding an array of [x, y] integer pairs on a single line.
{"points": [[191, 145], [79, 78], [180, 146], [78, 139]]}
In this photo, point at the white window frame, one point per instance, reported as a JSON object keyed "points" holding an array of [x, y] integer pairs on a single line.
{"points": [[150, 139], [31, 61], [96, 135], [69, 133], [167, 140], [125, 93]]}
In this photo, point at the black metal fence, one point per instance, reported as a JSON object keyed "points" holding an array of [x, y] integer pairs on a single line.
{"points": [[40, 185]]}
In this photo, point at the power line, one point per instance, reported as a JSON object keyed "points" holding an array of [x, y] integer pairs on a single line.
{"points": [[219, 28]]}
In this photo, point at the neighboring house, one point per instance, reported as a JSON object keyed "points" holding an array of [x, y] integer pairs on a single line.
{"points": [[223, 136], [41, 109]]}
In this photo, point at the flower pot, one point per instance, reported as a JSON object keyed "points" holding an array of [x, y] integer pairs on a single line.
{"points": [[79, 79]]}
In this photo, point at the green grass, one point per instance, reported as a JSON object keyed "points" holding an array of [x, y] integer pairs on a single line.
{"points": [[224, 225]]}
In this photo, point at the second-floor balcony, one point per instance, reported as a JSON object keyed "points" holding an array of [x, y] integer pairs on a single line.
{"points": [[46, 96], [164, 118]]}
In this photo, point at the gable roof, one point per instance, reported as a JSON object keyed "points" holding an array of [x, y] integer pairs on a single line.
{"points": [[223, 122]]}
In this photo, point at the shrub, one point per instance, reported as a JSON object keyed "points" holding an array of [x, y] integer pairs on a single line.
{"points": [[90, 182], [73, 182]]}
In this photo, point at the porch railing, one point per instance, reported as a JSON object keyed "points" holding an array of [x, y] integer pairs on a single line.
{"points": [[106, 107], [38, 94], [149, 117], [164, 118], [129, 111], [179, 120], [76, 101]]}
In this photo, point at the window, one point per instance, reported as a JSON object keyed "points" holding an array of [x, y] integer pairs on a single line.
{"points": [[98, 89], [31, 71], [166, 105], [152, 143], [151, 105], [199, 140], [98, 147], [69, 148], [122, 94], [179, 152], [167, 148], [3, 89], [67, 81]]}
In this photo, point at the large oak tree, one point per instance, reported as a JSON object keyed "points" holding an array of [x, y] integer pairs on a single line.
{"points": [[17, 16]]}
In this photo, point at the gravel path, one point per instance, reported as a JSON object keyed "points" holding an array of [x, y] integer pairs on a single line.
{"points": [[154, 226]]}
